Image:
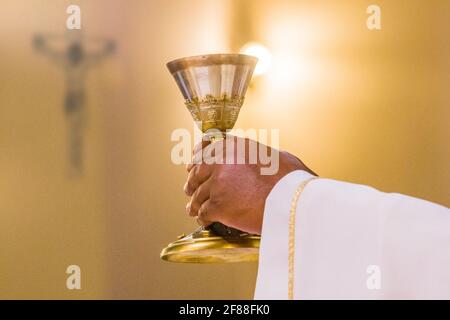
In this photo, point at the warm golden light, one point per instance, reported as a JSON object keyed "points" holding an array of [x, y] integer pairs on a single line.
{"points": [[262, 53]]}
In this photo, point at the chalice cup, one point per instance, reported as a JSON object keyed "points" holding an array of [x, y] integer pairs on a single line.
{"points": [[213, 87]]}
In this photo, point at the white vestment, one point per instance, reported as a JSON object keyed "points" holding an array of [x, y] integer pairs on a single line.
{"points": [[353, 242]]}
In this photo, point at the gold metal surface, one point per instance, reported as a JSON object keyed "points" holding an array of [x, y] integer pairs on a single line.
{"points": [[213, 87], [204, 247], [207, 60], [215, 113]]}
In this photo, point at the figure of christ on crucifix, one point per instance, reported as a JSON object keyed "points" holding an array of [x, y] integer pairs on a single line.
{"points": [[72, 52]]}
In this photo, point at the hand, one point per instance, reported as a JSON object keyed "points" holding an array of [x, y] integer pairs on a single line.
{"points": [[234, 194]]}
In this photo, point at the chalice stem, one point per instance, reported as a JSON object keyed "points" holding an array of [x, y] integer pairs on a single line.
{"points": [[218, 228]]}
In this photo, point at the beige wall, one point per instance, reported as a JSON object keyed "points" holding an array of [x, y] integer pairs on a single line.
{"points": [[371, 107], [363, 106]]}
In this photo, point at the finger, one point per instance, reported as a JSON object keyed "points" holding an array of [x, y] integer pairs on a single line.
{"points": [[199, 146], [200, 222], [208, 152], [199, 197], [203, 212], [189, 166], [213, 154], [199, 174], [197, 157], [208, 213]]}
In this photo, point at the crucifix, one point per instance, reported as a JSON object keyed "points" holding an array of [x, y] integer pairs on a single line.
{"points": [[75, 54]]}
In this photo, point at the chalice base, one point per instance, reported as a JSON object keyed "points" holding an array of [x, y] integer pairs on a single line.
{"points": [[203, 246]]}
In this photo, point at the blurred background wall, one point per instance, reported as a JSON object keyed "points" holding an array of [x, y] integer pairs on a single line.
{"points": [[365, 106]]}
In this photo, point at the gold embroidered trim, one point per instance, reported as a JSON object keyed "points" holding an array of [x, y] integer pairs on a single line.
{"points": [[291, 261]]}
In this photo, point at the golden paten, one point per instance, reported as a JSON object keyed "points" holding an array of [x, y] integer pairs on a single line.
{"points": [[213, 87]]}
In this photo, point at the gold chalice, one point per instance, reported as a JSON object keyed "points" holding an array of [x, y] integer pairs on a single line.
{"points": [[213, 87]]}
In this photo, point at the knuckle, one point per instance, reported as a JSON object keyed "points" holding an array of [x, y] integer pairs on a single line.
{"points": [[194, 207], [186, 187], [213, 192], [188, 208], [219, 182], [189, 188], [192, 212], [215, 202], [204, 208], [202, 214], [220, 174], [198, 169]]}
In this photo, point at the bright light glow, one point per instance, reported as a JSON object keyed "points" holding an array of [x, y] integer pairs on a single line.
{"points": [[262, 53]]}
